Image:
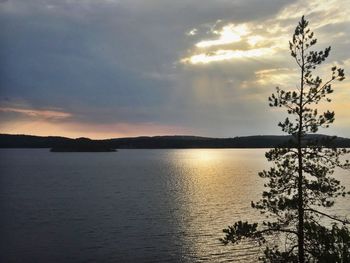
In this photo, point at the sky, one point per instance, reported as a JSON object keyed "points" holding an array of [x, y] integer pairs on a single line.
{"points": [[118, 68]]}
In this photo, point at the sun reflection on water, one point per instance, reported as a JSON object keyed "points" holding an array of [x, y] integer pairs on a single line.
{"points": [[216, 189]]}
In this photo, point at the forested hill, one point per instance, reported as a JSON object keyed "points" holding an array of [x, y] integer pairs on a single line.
{"points": [[163, 142]]}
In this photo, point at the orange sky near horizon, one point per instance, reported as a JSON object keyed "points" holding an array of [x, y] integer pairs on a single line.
{"points": [[93, 131]]}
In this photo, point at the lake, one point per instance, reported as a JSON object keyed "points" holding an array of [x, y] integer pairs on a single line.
{"points": [[129, 206]]}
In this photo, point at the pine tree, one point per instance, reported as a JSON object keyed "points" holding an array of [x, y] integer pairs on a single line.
{"points": [[299, 186]]}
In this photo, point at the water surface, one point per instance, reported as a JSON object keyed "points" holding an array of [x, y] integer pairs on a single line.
{"points": [[128, 206]]}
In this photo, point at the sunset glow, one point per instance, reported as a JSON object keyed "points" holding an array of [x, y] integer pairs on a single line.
{"points": [[93, 131], [229, 34], [221, 55]]}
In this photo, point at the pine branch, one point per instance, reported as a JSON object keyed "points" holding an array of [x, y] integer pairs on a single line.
{"points": [[309, 100], [291, 249], [277, 230], [329, 216]]}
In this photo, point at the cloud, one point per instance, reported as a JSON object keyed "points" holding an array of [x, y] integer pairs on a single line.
{"points": [[40, 114], [208, 51], [229, 34], [236, 41], [119, 61], [222, 55]]}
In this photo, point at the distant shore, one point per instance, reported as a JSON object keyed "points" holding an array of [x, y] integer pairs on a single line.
{"points": [[62, 144]]}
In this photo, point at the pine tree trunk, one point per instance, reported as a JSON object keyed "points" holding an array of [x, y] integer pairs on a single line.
{"points": [[300, 206], [301, 253]]}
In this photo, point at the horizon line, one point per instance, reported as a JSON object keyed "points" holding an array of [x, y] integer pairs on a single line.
{"points": [[166, 135]]}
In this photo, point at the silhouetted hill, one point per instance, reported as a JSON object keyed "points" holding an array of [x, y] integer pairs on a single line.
{"points": [[29, 141], [161, 142], [57, 144]]}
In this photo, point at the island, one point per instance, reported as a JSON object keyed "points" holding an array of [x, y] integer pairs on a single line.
{"points": [[83, 145]]}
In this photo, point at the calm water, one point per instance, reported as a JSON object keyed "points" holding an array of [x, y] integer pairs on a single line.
{"points": [[128, 206]]}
